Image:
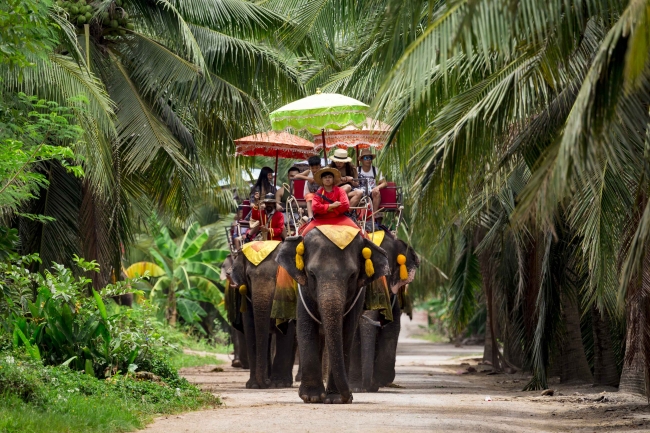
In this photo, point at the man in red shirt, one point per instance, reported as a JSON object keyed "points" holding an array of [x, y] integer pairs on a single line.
{"points": [[271, 222], [330, 201]]}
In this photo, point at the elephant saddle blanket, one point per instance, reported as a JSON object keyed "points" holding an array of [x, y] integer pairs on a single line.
{"points": [[257, 251], [377, 237], [340, 230], [285, 299]]}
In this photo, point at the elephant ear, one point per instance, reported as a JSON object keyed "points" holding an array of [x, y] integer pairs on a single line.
{"points": [[286, 258], [412, 263], [238, 271], [379, 263]]}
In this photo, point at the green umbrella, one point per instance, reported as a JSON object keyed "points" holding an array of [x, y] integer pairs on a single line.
{"points": [[319, 112]]}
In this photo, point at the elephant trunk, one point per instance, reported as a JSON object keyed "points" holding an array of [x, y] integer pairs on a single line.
{"points": [[331, 309], [262, 309]]}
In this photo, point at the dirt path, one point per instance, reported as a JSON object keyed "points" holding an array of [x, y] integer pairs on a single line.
{"points": [[433, 396]]}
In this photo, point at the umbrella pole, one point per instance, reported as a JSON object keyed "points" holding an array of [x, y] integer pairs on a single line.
{"points": [[357, 147], [322, 132], [275, 179]]}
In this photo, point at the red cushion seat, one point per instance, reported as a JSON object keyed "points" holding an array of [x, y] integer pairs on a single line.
{"points": [[390, 197]]}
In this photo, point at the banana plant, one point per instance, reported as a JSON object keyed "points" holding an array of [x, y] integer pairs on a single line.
{"points": [[186, 275]]}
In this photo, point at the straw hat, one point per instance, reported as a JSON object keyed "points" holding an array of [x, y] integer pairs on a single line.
{"points": [[334, 172], [340, 155], [366, 152]]}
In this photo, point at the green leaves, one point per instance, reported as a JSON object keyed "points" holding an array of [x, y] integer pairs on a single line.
{"points": [[188, 273]]}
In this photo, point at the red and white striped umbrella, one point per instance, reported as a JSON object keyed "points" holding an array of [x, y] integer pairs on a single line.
{"points": [[275, 145]]}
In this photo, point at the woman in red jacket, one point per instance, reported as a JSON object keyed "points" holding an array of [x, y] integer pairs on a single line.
{"points": [[330, 201]]}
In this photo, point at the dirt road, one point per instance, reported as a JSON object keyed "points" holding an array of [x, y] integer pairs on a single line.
{"points": [[436, 393]]}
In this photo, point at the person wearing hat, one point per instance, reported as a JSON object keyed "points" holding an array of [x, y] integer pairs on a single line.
{"points": [[330, 201], [374, 178], [267, 220], [341, 162]]}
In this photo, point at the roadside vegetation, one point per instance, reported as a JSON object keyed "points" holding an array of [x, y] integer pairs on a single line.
{"points": [[521, 138]]}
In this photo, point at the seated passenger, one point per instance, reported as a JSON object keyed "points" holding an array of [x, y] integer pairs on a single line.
{"points": [[375, 179], [264, 186], [330, 201], [310, 186], [341, 162], [270, 221]]}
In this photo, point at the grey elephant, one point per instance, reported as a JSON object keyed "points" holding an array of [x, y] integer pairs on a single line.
{"points": [[375, 345], [331, 288], [258, 282]]}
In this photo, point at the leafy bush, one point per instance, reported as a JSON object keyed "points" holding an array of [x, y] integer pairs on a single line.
{"points": [[37, 398], [65, 325]]}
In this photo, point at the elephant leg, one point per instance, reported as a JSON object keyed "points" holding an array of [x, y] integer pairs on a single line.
{"points": [[299, 373], [242, 349], [387, 350], [311, 386], [368, 334], [262, 344], [235, 344], [354, 374], [249, 333], [283, 360]]}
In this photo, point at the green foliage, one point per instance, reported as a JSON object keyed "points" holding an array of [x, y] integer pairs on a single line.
{"points": [[57, 399], [64, 325], [25, 31], [190, 274], [32, 132]]}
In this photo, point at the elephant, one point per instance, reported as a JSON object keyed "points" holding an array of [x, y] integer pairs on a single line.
{"points": [[331, 288], [259, 327], [375, 346]]}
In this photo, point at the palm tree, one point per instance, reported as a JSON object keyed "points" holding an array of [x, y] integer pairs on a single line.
{"points": [[569, 100], [168, 85]]}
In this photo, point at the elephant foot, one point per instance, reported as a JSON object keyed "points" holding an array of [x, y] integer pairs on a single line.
{"points": [[373, 388], [312, 394], [279, 383], [254, 384], [236, 363], [299, 376], [338, 399]]}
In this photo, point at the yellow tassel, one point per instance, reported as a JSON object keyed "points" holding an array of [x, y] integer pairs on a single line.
{"points": [[403, 272], [300, 250], [242, 291], [370, 269]]}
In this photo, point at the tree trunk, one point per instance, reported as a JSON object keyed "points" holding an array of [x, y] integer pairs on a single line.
{"points": [[633, 377], [487, 347], [605, 372], [574, 361], [172, 313]]}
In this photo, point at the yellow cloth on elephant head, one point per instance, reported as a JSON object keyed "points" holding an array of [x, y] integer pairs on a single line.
{"points": [[257, 251], [340, 235], [377, 237]]}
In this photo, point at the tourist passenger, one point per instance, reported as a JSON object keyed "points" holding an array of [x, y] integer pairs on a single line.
{"points": [[330, 201], [264, 186], [374, 178], [341, 162], [267, 220], [310, 186]]}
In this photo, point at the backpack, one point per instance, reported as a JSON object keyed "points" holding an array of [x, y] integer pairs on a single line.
{"points": [[374, 171]]}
